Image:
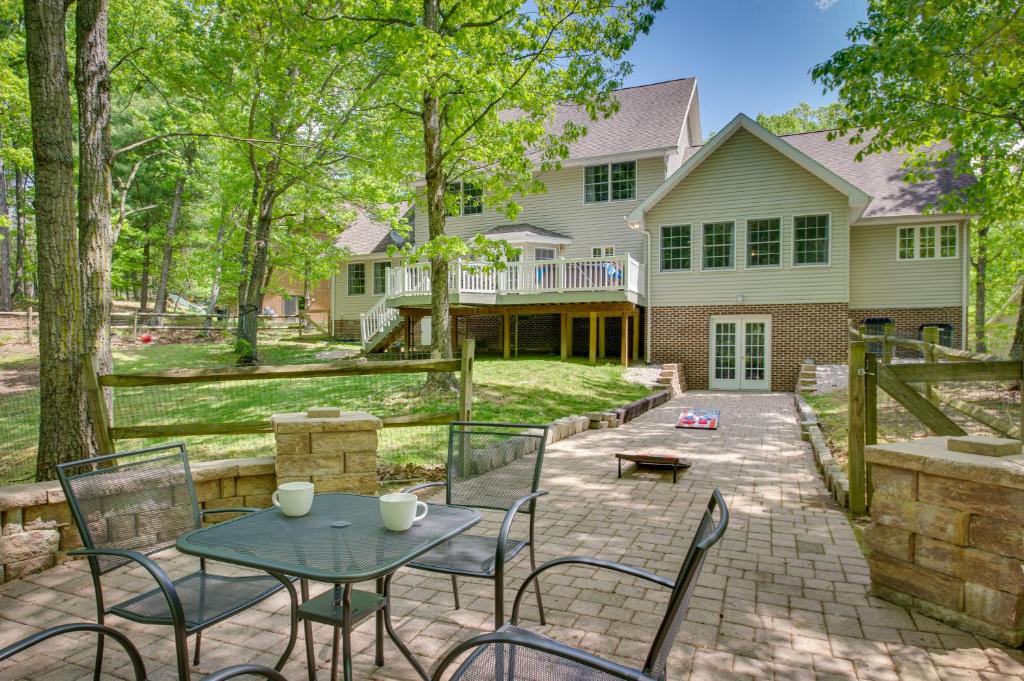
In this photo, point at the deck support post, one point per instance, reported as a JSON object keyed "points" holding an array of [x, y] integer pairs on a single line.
{"points": [[566, 329], [593, 338], [506, 334], [455, 332], [624, 339], [602, 337], [408, 333], [636, 335]]}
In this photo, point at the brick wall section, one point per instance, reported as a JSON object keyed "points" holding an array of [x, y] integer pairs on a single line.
{"points": [[347, 330], [818, 331], [908, 321], [36, 529], [945, 535]]}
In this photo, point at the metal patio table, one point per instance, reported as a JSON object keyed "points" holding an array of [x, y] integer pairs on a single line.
{"points": [[340, 541]]}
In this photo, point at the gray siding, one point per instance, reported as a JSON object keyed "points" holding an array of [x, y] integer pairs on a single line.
{"points": [[746, 179], [879, 280], [561, 208]]}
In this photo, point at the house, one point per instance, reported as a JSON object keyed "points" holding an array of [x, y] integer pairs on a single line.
{"points": [[737, 258]]}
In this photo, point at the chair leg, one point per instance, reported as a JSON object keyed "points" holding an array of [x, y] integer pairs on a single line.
{"points": [[455, 591], [499, 600], [533, 566], [99, 651], [100, 615], [307, 634], [195, 655]]}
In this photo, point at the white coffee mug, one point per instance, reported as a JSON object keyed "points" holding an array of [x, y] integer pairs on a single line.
{"points": [[398, 511], [293, 498]]}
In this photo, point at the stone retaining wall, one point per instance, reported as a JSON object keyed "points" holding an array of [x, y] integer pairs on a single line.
{"points": [[835, 478], [36, 530], [947, 532]]}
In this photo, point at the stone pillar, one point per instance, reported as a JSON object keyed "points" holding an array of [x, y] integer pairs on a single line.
{"points": [[947, 531], [335, 450]]}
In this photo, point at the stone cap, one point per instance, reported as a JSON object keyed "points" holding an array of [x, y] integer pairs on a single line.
{"points": [[301, 422], [932, 455], [986, 446]]}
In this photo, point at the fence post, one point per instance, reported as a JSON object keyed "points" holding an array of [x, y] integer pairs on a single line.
{"points": [[856, 412], [466, 380], [931, 339], [888, 349], [28, 325], [870, 414], [135, 324], [97, 403]]}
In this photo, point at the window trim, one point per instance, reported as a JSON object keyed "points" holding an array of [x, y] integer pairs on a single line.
{"points": [[462, 199], [608, 165], [348, 278], [938, 242], [703, 231], [661, 259], [746, 243], [602, 251], [387, 265], [792, 241]]}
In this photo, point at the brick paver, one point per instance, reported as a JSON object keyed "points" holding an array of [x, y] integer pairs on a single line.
{"points": [[783, 596]]}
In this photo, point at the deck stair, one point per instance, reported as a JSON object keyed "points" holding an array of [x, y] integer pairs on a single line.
{"points": [[808, 381], [379, 327]]}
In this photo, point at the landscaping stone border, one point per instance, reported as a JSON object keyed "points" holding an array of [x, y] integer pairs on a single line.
{"points": [[36, 530], [567, 426], [831, 472]]}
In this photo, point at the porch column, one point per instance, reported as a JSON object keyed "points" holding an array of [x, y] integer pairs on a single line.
{"points": [[566, 328], [602, 336], [624, 339], [593, 337], [636, 335], [506, 334]]}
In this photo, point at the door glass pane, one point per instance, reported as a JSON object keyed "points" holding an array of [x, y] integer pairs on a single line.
{"points": [[725, 350], [754, 360]]}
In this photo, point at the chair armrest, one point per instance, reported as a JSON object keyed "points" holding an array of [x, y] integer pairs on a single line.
{"points": [[593, 562], [241, 509], [542, 645], [243, 670], [506, 525], [425, 485], [102, 629], [162, 580]]}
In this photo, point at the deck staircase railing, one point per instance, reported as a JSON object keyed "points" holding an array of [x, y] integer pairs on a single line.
{"points": [[377, 322]]}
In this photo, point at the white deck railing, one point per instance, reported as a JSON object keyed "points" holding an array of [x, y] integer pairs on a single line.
{"points": [[613, 273], [378, 318]]}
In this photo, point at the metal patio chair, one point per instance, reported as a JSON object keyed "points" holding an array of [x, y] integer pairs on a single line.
{"points": [[515, 654], [132, 504], [138, 667], [493, 466]]}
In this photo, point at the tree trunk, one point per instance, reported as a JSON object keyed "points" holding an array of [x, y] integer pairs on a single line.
{"points": [[218, 267], [249, 308], [64, 432], [1017, 347], [144, 283], [160, 303], [245, 257], [95, 231], [981, 291], [440, 323], [20, 180], [5, 244]]}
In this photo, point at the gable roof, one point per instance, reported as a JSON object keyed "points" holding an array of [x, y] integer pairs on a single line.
{"points": [[880, 175], [857, 198], [649, 121], [524, 231], [366, 235]]}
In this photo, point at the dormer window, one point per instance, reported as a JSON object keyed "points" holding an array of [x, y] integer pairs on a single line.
{"points": [[609, 182], [464, 198]]}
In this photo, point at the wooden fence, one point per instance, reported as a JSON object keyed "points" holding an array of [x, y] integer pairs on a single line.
{"points": [[107, 432], [870, 372], [194, 321], [24, 324]]}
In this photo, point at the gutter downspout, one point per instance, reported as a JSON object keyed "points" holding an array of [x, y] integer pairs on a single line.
{"points": [[639, 227], [965, 255]]}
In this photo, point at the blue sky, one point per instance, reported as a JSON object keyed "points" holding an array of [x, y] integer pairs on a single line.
{"points": [[749, 56]]}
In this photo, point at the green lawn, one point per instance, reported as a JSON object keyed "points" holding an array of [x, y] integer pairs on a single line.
{"points": [[529, 390]]}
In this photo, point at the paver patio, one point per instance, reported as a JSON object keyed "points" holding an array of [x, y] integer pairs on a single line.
{"points": [[783, 596]]}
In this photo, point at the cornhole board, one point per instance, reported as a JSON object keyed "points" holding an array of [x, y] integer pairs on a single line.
{"points": [[662, 459], [698, 418]]}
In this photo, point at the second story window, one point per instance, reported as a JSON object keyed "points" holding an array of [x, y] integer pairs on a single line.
{"points": [[609, 182], [764, 242], [380, 277], [602, 251], [356, 279], [811, 235], [675, 248], [718, 245], [464, 198], [926, 242]]}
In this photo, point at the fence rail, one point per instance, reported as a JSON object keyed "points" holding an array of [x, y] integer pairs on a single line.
{"points": [[25, 323], [932, 405]]}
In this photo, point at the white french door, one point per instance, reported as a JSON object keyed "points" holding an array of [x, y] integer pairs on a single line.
{"points": [[741, 352]]}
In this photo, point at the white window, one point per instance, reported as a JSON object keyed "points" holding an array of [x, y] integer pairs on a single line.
{"points": [[719, 240], [464, 198], [927, 242], [764, 242], [543, 254], [609, 182], [602, 251], [811, 239], [675, 248]]}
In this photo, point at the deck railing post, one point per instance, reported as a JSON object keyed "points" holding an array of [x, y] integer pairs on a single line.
{"points": [[856, 411]]}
